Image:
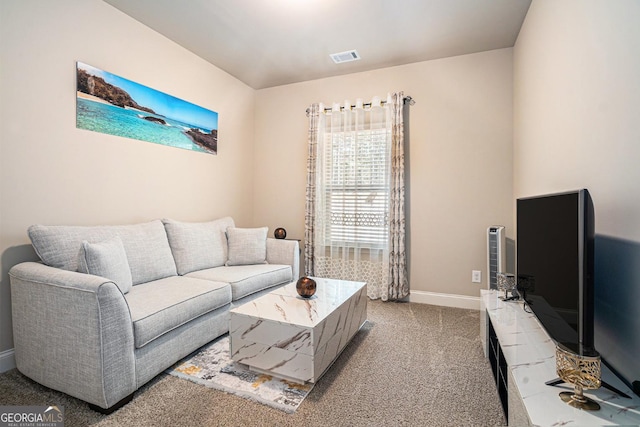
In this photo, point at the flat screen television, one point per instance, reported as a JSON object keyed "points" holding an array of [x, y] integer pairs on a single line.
{"points": [[555, 265]]}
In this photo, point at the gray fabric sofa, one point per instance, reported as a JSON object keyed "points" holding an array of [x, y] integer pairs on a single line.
{"points": [[111, 307]]}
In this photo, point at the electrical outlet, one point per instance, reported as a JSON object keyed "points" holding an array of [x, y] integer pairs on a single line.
{"points": [[476, 276]]}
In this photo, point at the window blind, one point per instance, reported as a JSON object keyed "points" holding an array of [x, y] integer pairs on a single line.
{"points": [[356, 176]]}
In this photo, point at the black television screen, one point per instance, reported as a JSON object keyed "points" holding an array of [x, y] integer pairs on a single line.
{"points": [[555, 247]]}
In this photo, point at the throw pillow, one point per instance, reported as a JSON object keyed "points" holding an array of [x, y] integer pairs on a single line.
{"points": [[198, 245], [106, 259], [247, 245]]}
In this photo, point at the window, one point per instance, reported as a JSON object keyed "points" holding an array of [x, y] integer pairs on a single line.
{"points": [[356, 191], [354, 212]]}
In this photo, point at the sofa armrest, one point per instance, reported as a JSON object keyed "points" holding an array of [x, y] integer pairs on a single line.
{"points": [[280, 251], [73, 333]]}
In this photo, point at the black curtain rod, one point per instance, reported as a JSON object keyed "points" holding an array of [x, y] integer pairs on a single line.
{"points": [[407, 100]]}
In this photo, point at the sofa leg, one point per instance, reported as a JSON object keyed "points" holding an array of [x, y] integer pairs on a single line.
{"points": [[112, 408]]}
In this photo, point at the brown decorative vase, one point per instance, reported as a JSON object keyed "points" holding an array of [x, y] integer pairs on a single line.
{"points": [[306, 287], [280, 233]]}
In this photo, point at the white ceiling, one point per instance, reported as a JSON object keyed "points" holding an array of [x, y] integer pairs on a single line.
{"points": [[267, 43]]}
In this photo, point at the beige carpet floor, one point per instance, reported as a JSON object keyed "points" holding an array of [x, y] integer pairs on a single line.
{"points": [[411, 365]]}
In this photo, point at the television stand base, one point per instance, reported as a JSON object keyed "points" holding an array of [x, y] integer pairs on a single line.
{"points": [[606, 385]]}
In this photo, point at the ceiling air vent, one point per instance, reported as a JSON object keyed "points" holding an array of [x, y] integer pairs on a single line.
{"points": [[348, 56]]}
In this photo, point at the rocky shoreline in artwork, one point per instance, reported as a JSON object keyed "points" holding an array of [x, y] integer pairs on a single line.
{"points": [[208, 141], [96, 86]]}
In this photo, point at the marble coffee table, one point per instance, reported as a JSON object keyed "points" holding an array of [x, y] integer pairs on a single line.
{"points": [[287, 336]]}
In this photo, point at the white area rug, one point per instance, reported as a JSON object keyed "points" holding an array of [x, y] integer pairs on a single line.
{"points": [[212, 367]]}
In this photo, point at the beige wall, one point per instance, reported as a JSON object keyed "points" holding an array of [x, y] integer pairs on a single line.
{"points": [[53, 173], [460, 158], [577, 124], [577, 107]]}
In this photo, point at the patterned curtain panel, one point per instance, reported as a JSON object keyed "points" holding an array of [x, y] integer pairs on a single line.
{"points": [[310, 208], [398, 278], [355, 195]]}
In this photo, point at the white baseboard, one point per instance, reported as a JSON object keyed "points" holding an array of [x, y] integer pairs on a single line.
{"points": [[447, 300], [7, 360]]}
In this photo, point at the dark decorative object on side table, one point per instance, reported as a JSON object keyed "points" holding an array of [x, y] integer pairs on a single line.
{"points": [[280, 233], [306, 287]]}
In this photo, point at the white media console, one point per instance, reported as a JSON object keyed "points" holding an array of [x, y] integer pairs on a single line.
{"points": [[523, 359]]}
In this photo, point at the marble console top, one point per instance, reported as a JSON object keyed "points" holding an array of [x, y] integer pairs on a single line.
{"points": [[286, 306], [530, 355]]}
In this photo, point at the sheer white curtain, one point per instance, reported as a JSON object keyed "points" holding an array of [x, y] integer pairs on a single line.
{"points": [[349, 196]]}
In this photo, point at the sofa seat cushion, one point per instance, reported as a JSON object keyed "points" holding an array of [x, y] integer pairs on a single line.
{"points": [[247, 279], [162, 305]]}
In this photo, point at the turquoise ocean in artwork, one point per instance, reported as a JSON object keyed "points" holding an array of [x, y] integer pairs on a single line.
{"points": [[130, 123]]}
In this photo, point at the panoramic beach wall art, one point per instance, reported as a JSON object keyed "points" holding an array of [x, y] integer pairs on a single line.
{"points": [[111, 104]]}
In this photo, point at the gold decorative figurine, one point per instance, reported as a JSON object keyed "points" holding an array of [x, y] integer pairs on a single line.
{"points": [[581, 371]]}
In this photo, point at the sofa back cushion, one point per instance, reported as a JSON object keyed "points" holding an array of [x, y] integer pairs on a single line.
{"points": [[146, 246], [198, 245]]}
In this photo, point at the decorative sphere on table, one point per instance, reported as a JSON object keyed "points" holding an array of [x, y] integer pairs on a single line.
{"points": [[306, 287], [280, 233]]}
